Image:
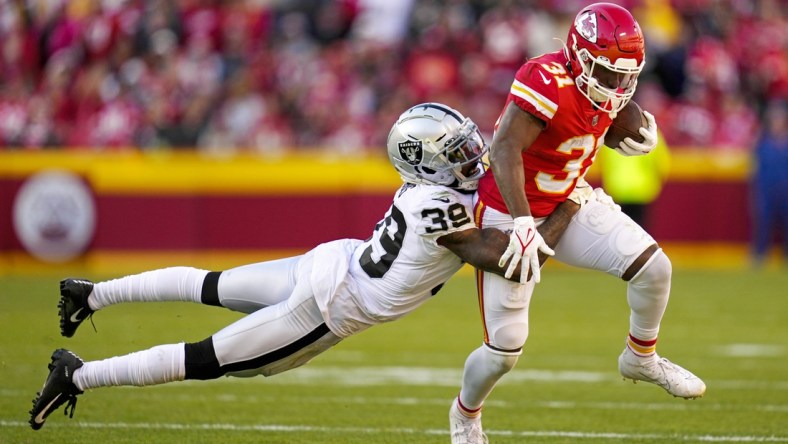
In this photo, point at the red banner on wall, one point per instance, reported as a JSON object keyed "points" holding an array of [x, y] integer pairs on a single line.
{"points": [[187, 202]]}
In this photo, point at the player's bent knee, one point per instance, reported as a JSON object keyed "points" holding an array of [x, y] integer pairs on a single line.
{"points": [[640, 262], [501, 362], [510, 338], [656, 272], [200, 360]]}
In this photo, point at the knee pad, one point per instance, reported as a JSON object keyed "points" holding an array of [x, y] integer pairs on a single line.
{"points": [[500, 362], [600, 238], [509, 338], [200, 360], [647, 294], [505, 311], [655, 273]]}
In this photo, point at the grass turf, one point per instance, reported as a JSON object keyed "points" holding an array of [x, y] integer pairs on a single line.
{"points": [[394, 382]]}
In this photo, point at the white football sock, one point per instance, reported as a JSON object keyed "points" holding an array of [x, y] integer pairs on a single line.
{"points": [[168, 284], [647, 295], [483, 368], [158, 365]]}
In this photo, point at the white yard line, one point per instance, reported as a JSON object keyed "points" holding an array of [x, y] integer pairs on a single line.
{"points": [[751, 350], [407, 431], [672, 405], [451, 377], [262, 398]]}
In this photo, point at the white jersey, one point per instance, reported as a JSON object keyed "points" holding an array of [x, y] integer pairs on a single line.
{"points": [[361, 283]]}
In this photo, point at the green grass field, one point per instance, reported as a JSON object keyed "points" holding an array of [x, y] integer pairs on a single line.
{"points": [[394, 383]]}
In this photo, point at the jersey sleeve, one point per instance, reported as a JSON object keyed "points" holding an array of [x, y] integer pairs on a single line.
{"points": [[535, 91]]}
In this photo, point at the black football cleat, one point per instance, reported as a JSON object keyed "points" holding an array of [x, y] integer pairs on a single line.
{"points": [[59, 388], [73, 307]]}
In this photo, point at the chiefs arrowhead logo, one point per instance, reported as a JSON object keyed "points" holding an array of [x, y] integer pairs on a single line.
{"points": [[586, 26]]}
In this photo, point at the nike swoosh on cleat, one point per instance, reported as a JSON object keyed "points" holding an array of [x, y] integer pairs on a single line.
{"points": [[39, 419], [74, 317]]}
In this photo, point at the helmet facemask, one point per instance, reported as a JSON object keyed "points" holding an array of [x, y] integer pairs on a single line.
{"points": [[433, 144], [467, 148], [602, 96]]}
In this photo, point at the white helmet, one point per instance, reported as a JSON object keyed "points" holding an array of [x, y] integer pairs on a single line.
{"points": [[431, 143]]}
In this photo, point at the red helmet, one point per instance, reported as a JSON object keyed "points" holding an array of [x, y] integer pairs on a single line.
{"points": [[606, 52]]}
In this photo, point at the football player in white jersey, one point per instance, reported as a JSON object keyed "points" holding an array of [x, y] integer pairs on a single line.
{"points": [[301, 306]]}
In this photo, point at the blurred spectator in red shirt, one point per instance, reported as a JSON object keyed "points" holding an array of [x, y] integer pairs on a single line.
{"points": [[330, 73]]}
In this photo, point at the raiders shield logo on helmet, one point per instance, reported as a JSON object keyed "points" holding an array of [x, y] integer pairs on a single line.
{"points": [[411, 151]]}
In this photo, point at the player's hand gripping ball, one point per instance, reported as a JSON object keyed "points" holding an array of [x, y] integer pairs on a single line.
{"points": [[633, 131]]}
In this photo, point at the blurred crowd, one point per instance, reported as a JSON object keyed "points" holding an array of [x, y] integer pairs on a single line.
{"points": [[271, 75]]}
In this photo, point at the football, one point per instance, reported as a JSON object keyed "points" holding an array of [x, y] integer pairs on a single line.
{"points": [[626, 124]]}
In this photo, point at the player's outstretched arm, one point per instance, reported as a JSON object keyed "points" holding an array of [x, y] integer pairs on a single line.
{"points": [[483, 248]]}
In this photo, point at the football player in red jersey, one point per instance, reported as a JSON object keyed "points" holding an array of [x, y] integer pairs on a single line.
{"points": [[559, 108]]}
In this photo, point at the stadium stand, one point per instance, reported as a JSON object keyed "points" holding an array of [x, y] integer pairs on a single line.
{"points": [[274, 76]]}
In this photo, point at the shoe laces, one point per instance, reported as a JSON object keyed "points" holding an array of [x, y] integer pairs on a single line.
{"points": [[90, 318], [664, 362], [71, 401], [476, 435], [473, 432], [90, 315]]}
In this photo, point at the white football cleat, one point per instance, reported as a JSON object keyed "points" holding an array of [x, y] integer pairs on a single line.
{"points": [[465, 430], [675, 379]]}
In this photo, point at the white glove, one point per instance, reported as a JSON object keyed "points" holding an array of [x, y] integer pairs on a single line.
{"points": [[582, 192], [628, 147], [602, 197], [524, 243]]}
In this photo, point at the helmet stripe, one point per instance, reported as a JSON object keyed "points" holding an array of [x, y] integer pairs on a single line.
{"points": [[446, 110]]}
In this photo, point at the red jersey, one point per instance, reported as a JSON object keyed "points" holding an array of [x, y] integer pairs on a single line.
{"points": [[565, 149]]}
